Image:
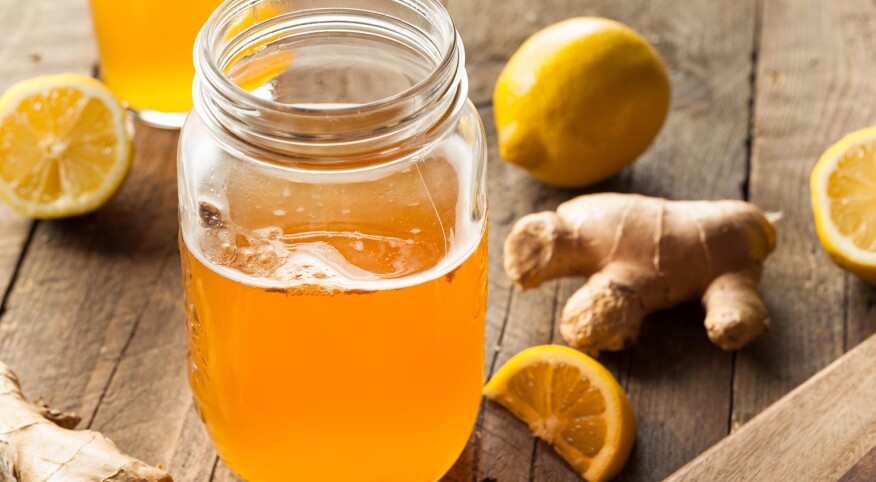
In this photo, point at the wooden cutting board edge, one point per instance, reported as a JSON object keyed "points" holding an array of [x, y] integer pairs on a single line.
{"points": [[818, 431]]}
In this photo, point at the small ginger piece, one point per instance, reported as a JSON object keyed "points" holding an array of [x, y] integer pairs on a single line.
{"points": [[35, 446], [644, 254]]}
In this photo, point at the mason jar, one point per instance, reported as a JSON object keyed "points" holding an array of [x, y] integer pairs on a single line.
{"points": [[332, 210]]}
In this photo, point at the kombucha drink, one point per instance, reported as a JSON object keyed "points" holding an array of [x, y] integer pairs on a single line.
{"points": [[146, 50], [325, 349]]}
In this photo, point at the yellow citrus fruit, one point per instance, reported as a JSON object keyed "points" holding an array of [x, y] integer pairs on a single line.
{"points": [[572, 402], [64, 146], [843, 186], [580, 101]]}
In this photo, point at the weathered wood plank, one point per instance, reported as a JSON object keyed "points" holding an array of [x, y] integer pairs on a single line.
{"points": [[815, 67], [505, 449], [817, 432], [146, 408], [45, 37], [40, 37], [193, 456], [506, 205], [860, 312], [144, 403], [84, 288]]}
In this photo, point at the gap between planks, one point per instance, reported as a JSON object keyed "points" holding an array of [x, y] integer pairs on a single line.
{"points": [[123, 352], [749, 152]]}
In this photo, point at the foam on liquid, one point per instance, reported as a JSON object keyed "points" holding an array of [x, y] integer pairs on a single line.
{"points": [[293, 237]]}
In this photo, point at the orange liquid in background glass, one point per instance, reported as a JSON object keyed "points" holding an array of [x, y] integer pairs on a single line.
{"points": [[146, 49], [317, 382]]}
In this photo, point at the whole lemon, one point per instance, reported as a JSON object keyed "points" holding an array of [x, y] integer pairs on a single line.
{"points": [[580, 101]]}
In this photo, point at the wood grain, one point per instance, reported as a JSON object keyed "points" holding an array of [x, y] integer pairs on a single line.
{"points": [[815, 64], [146, 407], [860, 312], [87, 286], [817, 432], [863, 471], [39, 37]]}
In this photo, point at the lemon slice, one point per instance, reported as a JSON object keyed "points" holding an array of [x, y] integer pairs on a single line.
{"points": [[843, 186], [572, 402], [64, 146]]}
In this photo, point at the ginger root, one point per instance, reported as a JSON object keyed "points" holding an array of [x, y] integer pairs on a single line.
{"points": [[37, 444], [645, 254]]}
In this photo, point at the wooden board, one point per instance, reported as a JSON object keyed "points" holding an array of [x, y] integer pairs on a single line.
{"points": [[823, 430]]}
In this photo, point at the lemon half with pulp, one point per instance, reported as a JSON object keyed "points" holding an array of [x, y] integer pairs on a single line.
{"points": [[64, 146], [843, 186]]}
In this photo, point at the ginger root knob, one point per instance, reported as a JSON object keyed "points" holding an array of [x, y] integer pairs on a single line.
{"points": [[645, 254]]}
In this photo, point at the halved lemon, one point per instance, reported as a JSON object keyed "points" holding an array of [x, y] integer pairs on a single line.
{"points": [[573, 403], [64, 146], [843, 186]]}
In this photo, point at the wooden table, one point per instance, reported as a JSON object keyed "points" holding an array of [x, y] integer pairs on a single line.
{"points": [[91, 315]]}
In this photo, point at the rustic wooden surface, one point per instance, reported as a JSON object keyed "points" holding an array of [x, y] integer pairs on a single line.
{"points": [[863, 471], [91, 313], [823, 430]]}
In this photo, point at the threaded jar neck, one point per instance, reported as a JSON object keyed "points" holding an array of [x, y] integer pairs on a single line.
{"points": [[337, 82]]}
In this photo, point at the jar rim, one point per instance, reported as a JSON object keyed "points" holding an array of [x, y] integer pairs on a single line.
{"points": [[321, 136], [205, 60]]}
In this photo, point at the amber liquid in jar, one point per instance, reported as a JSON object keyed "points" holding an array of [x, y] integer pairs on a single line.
{"points": [[304, 381]]}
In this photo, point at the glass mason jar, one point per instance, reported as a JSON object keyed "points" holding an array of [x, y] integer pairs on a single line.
{"points": [[332, 211]]}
